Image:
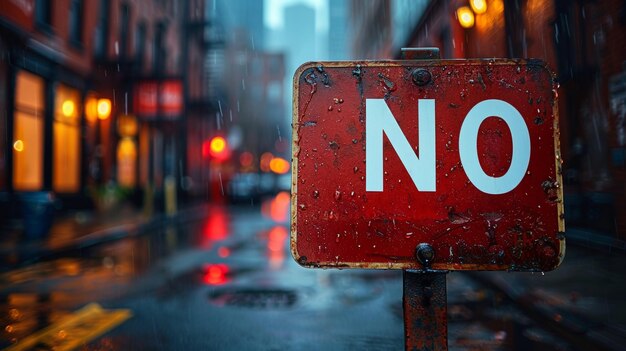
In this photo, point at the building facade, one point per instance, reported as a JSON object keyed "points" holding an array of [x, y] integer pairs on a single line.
{"points": [[582, 41], [95, 98]]}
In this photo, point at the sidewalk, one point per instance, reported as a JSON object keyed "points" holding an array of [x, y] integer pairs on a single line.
{"points": [[80, 229], [582, 301]]}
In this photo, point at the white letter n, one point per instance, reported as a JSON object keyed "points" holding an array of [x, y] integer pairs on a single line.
{"points": [[379, 120]]}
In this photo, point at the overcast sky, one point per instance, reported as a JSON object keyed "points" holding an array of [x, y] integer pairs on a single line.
{"points": [[273, 15]]}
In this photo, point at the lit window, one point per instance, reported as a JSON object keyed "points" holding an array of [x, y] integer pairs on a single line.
{"points": [[127, 162], [28, 132], [66, 140]]}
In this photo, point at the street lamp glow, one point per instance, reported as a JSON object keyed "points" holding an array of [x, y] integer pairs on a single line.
{"points": [[479, 6], [104, 108], [465, 16], [68, 108], [91, 109]]}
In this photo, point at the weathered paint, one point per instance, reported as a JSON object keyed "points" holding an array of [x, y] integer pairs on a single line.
{"points": [[336, 223], [424, 301]]}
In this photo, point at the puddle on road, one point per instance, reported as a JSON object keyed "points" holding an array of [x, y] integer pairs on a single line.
{"points": [[21, 314], [254, 298]]}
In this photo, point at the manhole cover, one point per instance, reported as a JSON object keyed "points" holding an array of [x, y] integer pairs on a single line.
{"points": [[255, 298]]}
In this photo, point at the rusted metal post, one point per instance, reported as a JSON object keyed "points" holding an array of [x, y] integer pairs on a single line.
{"points": [[424, 301], [424, 295]]}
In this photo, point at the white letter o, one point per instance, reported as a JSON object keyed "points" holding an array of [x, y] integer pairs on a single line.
{"points": [[468, 150]]}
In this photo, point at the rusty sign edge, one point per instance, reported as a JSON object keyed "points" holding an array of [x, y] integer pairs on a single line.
{"points": [[295, 150]]}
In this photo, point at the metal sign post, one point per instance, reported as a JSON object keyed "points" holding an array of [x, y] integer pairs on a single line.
{"points": [[424, 302], [424, 294]]}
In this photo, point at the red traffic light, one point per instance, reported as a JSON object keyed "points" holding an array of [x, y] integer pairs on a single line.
{"points": [[216, 148]]}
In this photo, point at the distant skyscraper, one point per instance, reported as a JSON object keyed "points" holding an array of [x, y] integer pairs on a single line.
{"points": [[299, 39], [299, 34], [338, 31], [243, 14]]}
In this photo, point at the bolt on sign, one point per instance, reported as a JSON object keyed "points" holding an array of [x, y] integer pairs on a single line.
{"points": [[462, 155]]}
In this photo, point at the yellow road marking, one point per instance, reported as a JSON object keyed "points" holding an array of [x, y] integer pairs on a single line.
{"points": [[75, 329]]}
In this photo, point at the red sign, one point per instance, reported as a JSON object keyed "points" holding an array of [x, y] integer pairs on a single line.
{"points": [[147, 99], [154, 98], [461, 155], [171, 98]]}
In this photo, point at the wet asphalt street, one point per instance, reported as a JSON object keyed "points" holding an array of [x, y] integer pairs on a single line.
{"points": [[225, 280]]}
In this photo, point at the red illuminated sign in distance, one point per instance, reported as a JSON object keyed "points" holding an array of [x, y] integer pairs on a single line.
{"points": [[171, 98], [460, 154], [147, 98], [164, 98]]}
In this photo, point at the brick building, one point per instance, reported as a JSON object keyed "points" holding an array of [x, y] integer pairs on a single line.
{"points": [[582, 41], [94, 96]]}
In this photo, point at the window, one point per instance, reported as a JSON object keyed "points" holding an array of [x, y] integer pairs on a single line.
{"points": [[159, 49], [140, 44], [127, 162], [102, 30], [66, 140], [43, 14], [123, 30], [28, 132], [275, 92], [76, 21]]}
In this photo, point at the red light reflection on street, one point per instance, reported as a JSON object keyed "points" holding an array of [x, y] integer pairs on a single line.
{"points": [[277, 208], [215, 274], [216, 226], [276, 246]]}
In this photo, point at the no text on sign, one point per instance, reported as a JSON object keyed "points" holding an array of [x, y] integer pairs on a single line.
{"points": [[460, 154]]}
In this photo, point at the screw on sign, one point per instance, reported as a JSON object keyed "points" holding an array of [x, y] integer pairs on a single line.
{"points": [[427, 164]]}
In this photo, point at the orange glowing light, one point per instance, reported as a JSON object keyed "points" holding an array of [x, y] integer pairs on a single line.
{"points": [[126, 162], [497, 7], [465, 16], [127, 125], [279, 165], [104, 108], [18, 145], [479, 6], [276, 238], [277, 208], [91, 109], [68, 108], [215, 274]]}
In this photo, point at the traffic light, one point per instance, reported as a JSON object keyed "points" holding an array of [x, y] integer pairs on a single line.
{"points": [[216, 148]]}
